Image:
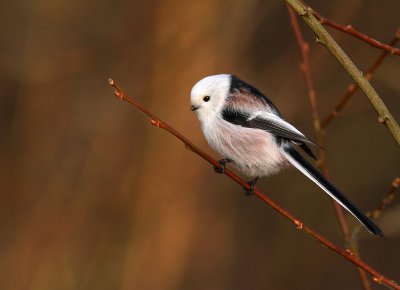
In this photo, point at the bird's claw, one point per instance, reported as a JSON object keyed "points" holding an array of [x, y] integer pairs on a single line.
{"points": [[221, 169], [251, 183]]}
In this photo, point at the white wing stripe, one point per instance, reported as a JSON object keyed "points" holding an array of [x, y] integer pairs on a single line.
{"points": [[276, 119]]}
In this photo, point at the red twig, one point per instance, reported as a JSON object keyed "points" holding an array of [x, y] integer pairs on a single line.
{"points": [[378, 277], [305, 68], [387, 199], [352, 88], [350, 30]]}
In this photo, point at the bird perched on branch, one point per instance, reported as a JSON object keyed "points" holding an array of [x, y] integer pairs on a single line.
{"points": [[245, 128]]}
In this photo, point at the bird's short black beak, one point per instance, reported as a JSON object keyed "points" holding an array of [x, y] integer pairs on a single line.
{"points": [[193, 108]]}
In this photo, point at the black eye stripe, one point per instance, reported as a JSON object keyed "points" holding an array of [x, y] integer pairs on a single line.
{"points": [[206, 98]]}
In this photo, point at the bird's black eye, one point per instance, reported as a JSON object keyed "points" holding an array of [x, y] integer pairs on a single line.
{"points": [[206, 98]]}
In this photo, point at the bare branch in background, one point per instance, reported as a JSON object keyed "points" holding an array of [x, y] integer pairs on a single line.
{"points": [[352, 88], [387, 199], [305, 68], [323, 37], [347, 254], [352, 31]]}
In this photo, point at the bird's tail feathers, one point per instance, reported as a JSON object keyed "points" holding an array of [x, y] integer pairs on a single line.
{"points": [[308, 170]]}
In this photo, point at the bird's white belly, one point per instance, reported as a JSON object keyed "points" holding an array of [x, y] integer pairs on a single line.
{"points": [[253, 151]]}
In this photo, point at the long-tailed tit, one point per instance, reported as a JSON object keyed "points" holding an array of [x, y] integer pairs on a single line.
{"points": [[245, 128]]}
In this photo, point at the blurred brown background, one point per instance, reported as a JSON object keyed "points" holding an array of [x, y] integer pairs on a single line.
{"points": [[94, 197]]}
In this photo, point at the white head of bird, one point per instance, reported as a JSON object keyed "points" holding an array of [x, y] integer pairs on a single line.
{"points": [[208, 96]]}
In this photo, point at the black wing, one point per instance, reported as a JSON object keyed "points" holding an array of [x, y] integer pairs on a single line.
{"points": [[272, 124]]}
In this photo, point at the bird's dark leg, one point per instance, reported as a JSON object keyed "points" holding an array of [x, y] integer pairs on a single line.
{"points": [[222, 162], [250, 191]]}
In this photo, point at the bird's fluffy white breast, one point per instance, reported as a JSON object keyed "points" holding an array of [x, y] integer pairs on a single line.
{"points": [[253, 151]]}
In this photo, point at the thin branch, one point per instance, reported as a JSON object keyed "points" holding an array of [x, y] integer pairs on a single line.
{"points": [[352, 88], [352, 31], [348, 255], [305, 68], [387, 199], [323, 37]]}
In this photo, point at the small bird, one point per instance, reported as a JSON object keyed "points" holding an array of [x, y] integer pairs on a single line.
{"points": [[245, 128]]}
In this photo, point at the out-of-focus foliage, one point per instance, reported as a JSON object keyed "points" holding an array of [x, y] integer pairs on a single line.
{"points": [[93, 197]]}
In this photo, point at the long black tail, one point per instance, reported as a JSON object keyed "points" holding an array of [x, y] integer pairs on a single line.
{"points": [[308, 170]]}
